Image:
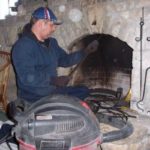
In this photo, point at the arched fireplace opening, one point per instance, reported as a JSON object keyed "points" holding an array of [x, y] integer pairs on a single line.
{"points": [[110, 67]]}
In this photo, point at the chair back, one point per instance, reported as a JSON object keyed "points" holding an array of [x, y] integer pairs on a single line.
{"points": [[4, 75]]}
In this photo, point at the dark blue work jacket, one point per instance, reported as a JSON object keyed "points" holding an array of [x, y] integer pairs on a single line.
{"points": [[36, 64]]}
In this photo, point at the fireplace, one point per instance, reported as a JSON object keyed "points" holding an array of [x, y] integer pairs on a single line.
{"points": [[110, 67]]}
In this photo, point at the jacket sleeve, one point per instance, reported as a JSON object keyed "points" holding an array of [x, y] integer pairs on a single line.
{"points": [[65, 59], [23, 57]]}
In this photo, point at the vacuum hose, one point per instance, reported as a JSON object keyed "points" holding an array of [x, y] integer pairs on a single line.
{"points": [[125, 129]]}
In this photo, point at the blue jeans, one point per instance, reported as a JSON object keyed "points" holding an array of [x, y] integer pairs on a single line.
{"points": [[78, 91]]}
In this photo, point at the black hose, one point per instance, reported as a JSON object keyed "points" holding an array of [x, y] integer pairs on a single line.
{"points": [[124, 132], [125, 128]]}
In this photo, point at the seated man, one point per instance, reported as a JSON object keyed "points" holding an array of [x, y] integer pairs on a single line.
{"points": [[36, 56]]}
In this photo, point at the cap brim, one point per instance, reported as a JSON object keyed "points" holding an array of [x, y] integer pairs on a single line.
{"points": [[57, 22]]}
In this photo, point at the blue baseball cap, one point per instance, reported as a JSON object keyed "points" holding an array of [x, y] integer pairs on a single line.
{"points": [[46, 13]]}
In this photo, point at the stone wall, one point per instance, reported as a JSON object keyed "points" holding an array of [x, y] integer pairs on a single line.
{"points": [[119, 18]]}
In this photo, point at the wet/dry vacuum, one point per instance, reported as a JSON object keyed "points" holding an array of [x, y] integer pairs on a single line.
{"points": [[57, 122]]}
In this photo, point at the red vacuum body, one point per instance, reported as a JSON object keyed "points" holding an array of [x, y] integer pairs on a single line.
{"points": [[58, 122]]}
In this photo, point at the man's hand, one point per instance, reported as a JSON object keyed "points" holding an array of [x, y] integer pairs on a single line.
{"points": [[60, 81], [92, 47]]}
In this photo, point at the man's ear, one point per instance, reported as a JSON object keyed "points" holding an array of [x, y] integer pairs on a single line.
{"points": [[40, 23]]}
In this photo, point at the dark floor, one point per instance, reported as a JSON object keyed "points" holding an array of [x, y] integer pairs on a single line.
{"points": [[3, 116]]}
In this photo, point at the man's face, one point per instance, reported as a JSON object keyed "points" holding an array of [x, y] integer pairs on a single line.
{"points": [[47, 28]]}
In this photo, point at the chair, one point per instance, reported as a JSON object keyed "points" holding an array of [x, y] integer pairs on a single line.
{"points": [[4, 74]]}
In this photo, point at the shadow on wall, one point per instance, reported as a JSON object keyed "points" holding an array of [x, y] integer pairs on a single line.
{"points": [[102, 67]]}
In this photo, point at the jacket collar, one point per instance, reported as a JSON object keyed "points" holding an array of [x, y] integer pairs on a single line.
{"points": [[27, 32]]}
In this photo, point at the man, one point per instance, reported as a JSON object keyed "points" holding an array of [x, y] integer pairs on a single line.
{"points": [[36, 56]]}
